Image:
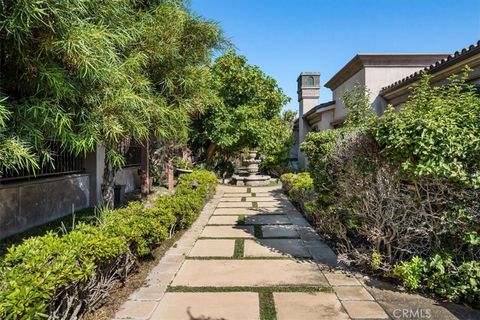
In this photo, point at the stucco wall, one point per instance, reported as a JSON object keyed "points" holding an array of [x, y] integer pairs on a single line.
{"points": [[378, 77], [27, 204], [340, 110]]}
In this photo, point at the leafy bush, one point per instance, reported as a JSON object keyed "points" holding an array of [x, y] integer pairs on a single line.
{"points": [[457, 283], [39, 275], [296, 183], [437, 132], [319, 146], [411, 272], [394, 191]]}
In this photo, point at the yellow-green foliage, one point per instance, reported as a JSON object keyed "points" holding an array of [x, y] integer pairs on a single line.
{"points": [[33, 271], [437, 133], [411, 272]]}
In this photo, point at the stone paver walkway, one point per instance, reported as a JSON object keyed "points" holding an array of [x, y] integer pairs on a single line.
{"points": [[251, 255]]}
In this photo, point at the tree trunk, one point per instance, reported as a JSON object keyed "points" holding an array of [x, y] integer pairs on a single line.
{"points": [[212, 148], [170, 157], [145, 168], [108, 185]]}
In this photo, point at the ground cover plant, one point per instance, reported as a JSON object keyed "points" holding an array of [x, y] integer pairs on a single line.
{"points": [[64, 276], [398, 195]]}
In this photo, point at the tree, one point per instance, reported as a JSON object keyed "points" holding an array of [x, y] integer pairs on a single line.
{"points": [[86, 73], [248, 112], [179, 46], [358, 105]]}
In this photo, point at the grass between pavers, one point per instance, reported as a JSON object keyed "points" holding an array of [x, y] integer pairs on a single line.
{"points": [[241, 220], [290, 288], [245, 258], [254, 204], [244, 199], [258, 231], [267, 306], [239, 248], [249, 190], [251, 238], [254, 194]]}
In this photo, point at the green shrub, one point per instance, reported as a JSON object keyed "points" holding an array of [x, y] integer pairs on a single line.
{"points": [[411, 272], [437, 132], [458, 283], [319, 146], [32, 273], [287, 179]]}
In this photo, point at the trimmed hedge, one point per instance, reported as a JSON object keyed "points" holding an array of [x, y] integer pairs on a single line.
{"points": [[38, 276]]}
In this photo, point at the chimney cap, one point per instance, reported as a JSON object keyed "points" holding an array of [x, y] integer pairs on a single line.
{"points": [[309, 80]]}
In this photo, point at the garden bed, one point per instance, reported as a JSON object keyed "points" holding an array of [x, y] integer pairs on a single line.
{"points": [[67, 276]]}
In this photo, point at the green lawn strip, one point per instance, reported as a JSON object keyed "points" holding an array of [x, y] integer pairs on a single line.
{"points": [[267, 305], [241, 219], [239, 248], [242, 258], [292, 288], [251, 238], [258, 231]]}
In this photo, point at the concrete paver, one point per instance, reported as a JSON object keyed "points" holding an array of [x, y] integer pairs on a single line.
{"points": [[227, 273], [341, 279], [213, 248], [276, 231], [249, 211], [351, 298], [364, 310], [223, 220], [308, 306], [228, 232], [275, 248], [208, 305], [352, 293], [235, 205], [267, 219]]}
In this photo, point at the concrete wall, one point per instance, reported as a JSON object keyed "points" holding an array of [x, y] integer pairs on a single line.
{"points": [[94, 166], [27, 204], [128, 177]]}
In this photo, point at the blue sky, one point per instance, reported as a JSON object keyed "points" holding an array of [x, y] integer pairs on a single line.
{"points": [[286, 37]]}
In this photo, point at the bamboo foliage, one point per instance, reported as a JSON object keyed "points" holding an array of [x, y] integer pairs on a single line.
{"points": [[87, 72]]}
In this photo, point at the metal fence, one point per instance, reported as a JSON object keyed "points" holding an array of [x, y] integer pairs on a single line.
{"points": [[63, 163]]}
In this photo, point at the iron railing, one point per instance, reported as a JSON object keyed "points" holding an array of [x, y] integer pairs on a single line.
{"points": [[63, 163]]}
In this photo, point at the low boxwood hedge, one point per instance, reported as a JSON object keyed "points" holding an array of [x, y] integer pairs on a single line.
{"points": [[55, 276]]}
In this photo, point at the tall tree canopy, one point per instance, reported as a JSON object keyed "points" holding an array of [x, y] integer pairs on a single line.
{"points": [[85, 72], [248, 112]]}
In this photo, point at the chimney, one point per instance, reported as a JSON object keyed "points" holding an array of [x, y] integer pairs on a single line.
{"points": [[308, 94]]}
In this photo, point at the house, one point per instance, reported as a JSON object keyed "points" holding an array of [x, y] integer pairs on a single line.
{"points": [[388, 77]]}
